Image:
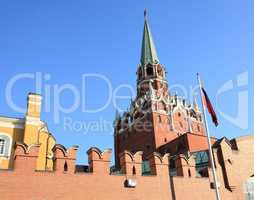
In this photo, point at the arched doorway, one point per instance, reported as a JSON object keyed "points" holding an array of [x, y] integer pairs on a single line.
{"points": [[249, 188]]}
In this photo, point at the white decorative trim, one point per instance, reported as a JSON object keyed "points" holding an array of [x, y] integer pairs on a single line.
{"points": [[36, 121], [35, 96], [6, 124], [4, 158], [180, 110], [147, 80], [34, 102], [29, 118], [34, 124], [12, 120]]}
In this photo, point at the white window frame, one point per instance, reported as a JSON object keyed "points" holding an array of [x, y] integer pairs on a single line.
{"points": [[249, 188], [6, 142]]}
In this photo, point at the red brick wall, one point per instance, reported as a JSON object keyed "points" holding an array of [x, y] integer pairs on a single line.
{"points": [[24, 183], [27, 184], [162, 130], [238, 164], [31, 185], [198, 142], [192, 188], [50, 186]]}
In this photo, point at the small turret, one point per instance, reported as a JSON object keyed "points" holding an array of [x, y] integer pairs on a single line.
{"points": [[195, 105]]}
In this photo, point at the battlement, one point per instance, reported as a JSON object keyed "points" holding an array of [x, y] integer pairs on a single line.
{"points": [[99, 162], [64, 159], [26, 157], [99, 181]]}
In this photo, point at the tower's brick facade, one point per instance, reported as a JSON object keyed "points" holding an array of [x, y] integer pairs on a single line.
{"points": [[155, 117]]}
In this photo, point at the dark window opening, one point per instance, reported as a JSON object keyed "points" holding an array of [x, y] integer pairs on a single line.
{"points": [[149, 71], [140, 73], [145, 106], [133, 171], [65, 167], [159, 118], [2, 144], [164, 107], [201, 163], [146, 170], [172, 167]]}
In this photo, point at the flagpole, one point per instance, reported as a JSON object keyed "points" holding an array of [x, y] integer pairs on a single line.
{"points": [[208, 140]]}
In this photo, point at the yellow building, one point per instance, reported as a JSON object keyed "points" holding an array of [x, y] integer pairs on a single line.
{"points": [[28, 130]]}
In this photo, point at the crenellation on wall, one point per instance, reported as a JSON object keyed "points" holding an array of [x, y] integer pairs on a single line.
{"points": [[185, 166], [99, 180], [159, 164], [64, 160], [99, 161], [25, 158], [131, 164]]}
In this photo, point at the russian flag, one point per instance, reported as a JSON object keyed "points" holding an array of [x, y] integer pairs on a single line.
{"points": [[209, 107]]}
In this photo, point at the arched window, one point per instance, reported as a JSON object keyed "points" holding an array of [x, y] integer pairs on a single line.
{"points": [[2, 146], [65, 167], [133, 171], [149, 71], [5, 145]]}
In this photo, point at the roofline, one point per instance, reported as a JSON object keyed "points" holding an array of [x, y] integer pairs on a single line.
{"points": [[244, 137], [12, 119]]}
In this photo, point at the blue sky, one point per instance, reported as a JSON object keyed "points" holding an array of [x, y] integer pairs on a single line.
{"points": [[65, 39]]}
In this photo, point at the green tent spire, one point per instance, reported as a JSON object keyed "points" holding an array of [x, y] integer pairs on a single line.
{"points": [[148, 52]]}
